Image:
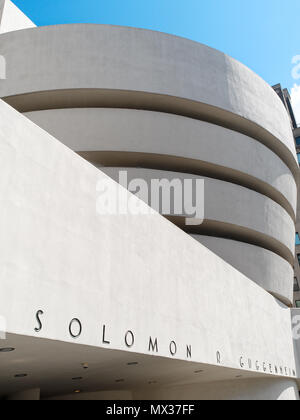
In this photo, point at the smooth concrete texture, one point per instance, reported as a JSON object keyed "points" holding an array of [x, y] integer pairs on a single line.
{"points": [[137, 273], [27, 395], [244, 390], [142, 69], [267, 269], [12, 18], [295, 316], [297, 132], [255, 216], [1, 9], [132, 305], [95, 396], [297, 252], [56, 367], [206, 149]]}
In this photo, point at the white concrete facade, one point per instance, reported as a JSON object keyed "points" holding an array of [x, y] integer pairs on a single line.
{"points": [[161, 309], [12, 18]]}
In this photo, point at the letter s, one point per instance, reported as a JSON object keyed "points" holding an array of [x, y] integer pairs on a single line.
{"points": [[38, 315]]}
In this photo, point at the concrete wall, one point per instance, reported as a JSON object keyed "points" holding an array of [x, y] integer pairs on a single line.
{"points": [[229, 124], [12, 18], [238, 213], [137, 272], [1, 8], [96, 396], [165, 141], [250, 390], [136, 68], [295, 316], [232, 204], [190, 112], [297, 264], [258, 264], [27, 395]]}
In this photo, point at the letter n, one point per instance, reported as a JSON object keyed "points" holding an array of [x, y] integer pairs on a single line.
{"points": [[189, 352]]}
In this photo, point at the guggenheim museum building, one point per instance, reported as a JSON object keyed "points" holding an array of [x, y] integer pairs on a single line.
{"points": [[148, 303]]}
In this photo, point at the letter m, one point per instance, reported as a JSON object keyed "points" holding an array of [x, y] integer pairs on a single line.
{"points": [[153, 346]]}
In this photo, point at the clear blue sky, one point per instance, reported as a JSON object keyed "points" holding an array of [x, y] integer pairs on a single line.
{"points": [[263, 34]]}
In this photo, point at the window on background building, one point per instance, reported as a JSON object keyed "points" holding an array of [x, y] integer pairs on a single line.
{"points": [[296, 285], [298, 256], [297, 303], [298, 155], [298, 141], [297, 239]]}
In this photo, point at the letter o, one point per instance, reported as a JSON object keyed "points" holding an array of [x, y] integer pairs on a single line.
{"points": [[72, 334], [131, 342], [173, 348]]}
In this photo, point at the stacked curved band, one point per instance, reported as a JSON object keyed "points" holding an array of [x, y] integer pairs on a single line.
{"points": [[165, 107]]}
